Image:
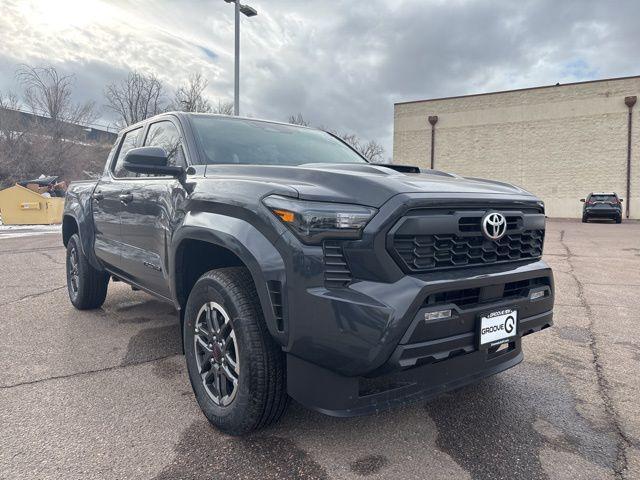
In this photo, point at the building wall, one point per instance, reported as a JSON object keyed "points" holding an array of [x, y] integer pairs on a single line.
{"points": [[559, 142]]}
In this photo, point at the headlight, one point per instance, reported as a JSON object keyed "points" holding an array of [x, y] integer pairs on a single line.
{"points": [[314, 221]]}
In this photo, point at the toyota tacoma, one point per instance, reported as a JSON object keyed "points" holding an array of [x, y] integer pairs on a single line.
{"points": [[299, 270]]}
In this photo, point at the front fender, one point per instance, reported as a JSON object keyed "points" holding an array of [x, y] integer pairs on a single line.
{"points": [[77, 205], [245, 241]]}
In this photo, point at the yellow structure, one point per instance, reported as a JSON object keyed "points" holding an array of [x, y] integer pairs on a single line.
{"points": [[21, 206]]}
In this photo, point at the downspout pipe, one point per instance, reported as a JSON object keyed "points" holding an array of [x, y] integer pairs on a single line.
{"points": [[629, 102], [433, 119]]}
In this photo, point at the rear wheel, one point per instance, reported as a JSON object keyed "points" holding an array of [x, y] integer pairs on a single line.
{"points": [[87, 286], [235, 367]]}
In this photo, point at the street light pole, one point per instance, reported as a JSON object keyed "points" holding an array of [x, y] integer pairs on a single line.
{"points": [[236, 94], [249, 12]]}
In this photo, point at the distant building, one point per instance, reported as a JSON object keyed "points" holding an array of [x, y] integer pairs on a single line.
{"points": [[88, 133], [560, 142]]}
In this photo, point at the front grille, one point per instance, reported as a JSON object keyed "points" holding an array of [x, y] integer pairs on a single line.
{"points": [[435, 252], [423, 241], [336, 270]]}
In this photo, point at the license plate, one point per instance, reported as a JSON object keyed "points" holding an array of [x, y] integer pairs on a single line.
{"points": [[498, 327]]}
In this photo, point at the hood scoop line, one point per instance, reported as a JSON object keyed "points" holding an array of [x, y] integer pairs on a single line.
{"points": [[398, 168]]}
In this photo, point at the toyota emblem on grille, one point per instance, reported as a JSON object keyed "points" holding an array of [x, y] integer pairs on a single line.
{"points": [[494, 226]]}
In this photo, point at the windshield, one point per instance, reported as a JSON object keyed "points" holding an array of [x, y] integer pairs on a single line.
{"points": [[252, 142]]}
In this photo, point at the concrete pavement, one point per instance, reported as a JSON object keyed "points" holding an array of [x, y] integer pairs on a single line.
{"points": [[105, 394]]}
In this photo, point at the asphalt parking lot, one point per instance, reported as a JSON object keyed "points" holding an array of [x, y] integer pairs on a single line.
{"points": [[105, 394]]}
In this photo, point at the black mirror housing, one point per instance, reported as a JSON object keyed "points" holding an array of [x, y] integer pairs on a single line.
{"points": [[150, 161], [582, 200]]}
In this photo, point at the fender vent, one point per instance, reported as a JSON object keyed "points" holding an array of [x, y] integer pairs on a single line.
{"points": [[336, 269], [275, 294]]}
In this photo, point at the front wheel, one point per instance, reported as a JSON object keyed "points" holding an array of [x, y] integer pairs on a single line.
{"points": [[585, 219], [235, 367], [87, 286]]}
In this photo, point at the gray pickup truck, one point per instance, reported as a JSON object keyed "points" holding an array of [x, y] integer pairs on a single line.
{"points": [[301, 270]]}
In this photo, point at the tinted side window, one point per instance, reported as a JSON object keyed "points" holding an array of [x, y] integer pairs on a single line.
{"points": [[131, 140], [165, 134]]}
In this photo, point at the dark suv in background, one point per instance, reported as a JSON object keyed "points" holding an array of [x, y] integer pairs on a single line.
{"points": [[602, 205]]}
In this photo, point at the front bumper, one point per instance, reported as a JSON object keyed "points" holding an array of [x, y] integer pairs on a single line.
{"points": [[336, 395], [384, 353], [355, 331]]}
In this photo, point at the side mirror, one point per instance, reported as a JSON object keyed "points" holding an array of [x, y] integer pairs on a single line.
{"points": [[150, 161], [582, 200], [621, 200]]}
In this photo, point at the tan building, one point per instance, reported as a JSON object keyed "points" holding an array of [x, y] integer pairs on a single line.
{"points": [[560, 142]]}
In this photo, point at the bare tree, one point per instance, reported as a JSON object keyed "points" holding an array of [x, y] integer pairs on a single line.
{"points": [[52, 137], [190, 97], [55, 136], [223, 108], [135, 98], [48, 93], [298, 120], [372, 151]]}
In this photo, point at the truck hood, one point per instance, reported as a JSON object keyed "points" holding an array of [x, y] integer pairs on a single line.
{"points": [[364, 184]]}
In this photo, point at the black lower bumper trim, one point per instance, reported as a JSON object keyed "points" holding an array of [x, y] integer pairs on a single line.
{"points": [[333, 394], [535, 323]]}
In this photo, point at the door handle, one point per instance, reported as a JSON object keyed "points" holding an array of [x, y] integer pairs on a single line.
{"points": [[97, 196], [125, 198]]}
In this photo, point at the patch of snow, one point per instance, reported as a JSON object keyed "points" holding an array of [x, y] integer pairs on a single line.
{"points": [[17, 231], [40, 228]]}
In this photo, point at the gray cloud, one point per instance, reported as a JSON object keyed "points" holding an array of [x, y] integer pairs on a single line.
{"points": [[342, 63]]}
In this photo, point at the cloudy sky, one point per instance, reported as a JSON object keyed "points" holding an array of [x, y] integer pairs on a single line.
{"points": [[342, 64]]}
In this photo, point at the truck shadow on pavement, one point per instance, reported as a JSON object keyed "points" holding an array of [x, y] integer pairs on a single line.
{"points": [[161, 335], [499, 428], [502, 427]]}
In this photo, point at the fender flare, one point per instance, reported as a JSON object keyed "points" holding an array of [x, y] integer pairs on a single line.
{"points": [[258, 254], [74, 209]]}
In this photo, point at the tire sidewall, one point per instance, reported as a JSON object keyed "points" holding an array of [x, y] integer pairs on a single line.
{"points": [[208, 289], [74, 244]]}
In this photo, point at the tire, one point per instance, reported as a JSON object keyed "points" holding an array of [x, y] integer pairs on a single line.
{"points": [[87, 286], [585, 219], [233, 343], [618, 219]]}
